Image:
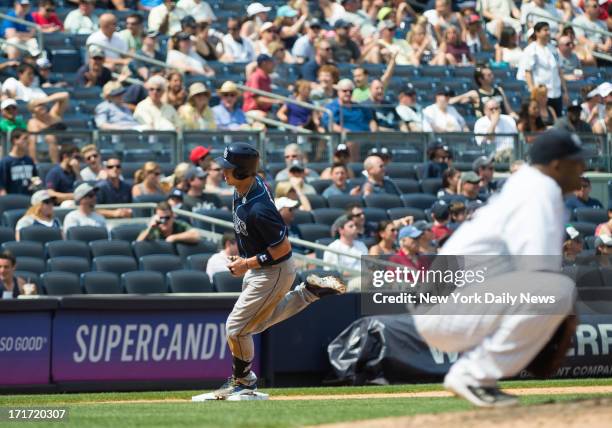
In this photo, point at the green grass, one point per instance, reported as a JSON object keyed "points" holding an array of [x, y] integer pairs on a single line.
{"points": [[272, 414]]}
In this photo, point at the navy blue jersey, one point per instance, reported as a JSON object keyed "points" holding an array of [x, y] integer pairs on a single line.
{"points": [[257, 223]]}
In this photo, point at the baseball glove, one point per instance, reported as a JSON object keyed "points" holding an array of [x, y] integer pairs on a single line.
{"points": [[550, 358]]}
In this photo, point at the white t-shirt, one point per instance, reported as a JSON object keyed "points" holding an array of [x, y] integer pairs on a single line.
{"points": [[505, 125], [543, 62], [526, 217], [116, 41], [451, 121], [177, 58], [78, 23], [21, 91], [592, 36], [240, 52], [341, 262], [158, 14], [217, 263], [77, 218], [548, 10], [200, 11]]}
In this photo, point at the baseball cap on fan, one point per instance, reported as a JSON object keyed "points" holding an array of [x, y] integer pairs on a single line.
{"points": [[255, 8], [198, 153], [555, 144], [285, 202]]}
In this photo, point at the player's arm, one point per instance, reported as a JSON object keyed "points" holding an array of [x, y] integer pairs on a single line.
{"points": [[240, 265]]}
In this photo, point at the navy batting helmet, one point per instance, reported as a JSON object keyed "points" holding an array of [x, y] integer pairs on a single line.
{"points": [[242, 158]]}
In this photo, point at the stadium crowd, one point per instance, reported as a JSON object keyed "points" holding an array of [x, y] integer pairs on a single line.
{"points": [[361, 60]]}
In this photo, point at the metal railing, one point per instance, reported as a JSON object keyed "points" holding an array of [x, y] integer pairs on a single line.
{"points": [[19, 46], [39, 33], [136, 56], [561, 21], [256, 118]]}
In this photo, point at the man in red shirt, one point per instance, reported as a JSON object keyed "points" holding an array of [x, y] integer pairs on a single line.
{"points": [[260, 79], [46, 18], [440, 213]]}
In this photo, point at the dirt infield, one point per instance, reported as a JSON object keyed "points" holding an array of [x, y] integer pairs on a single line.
{"points": [[596, 413]]}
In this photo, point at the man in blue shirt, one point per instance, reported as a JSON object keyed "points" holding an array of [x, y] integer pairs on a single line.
{"points": [[339, 174], [349, 116], [227, 115], [114, 190], [17, 169], [19, 33], [377, 182], [61, 177], [323, 55], [581, 198]]}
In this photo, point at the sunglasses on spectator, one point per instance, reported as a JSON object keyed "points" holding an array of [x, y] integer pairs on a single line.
{"points": [[229, 94], [568, 44], [118, 166], [291, 156], [94, 156], [165, 218], [155, 89], [357, 214], [90, 195], [345, 90], [50, 201], [232, 28]]}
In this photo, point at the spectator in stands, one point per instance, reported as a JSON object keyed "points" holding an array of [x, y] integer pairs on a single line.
{"points": [[450, 183], [409, 112], [214, 182], [304, 47], [206, 43], [18, 173], [94, 73], [540, 66], [593, 107], [257, 14], [508, 50], [529, 118], [226, 114], [10, 121], [361, 92], [153, 112], [385, 115], [408, 252], [437, 155], [177, 179], [134, 32], [166, 18], [453, 51], [108, 37], [604, 126], [581, 198], [348, 116], [324, 90], [440, 214], [176, 94], [61, 177], [296, 115], [484, 167], [572, 245], [15, 32], [113, 113], [184, 57], [40, 213], [85, 214], [323, 56], [422, 51], [572, 122], [82, 20], [198, 9], [94, 170], [486, 90], [474, 36], [342, 156], [294, 153], [297, 175], [260, 79], [426, 240], [46, 18], [43, 71], [470, 186], [12, 286], [442, 117], [387, 237], [194, 199], [286, 189], [390, 47], [149, 49], [605, 228], [339, 174], [236, 48], [164, 226], [603, 244], [494, 122], [49, 119], [268, 34], [114, 189], [501, 14], [540, 7], [376, 181], [441, 18], [343, 48], [286, 208], [568, 60], [22, 88], [547, 113], [196, 115], [146, 181], [592, 40], [346, 242], [365, 229], [199, 156], [218, 262]]}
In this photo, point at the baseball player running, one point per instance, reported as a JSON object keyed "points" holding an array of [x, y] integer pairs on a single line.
{"points": [[265, 258], [526, 218]]}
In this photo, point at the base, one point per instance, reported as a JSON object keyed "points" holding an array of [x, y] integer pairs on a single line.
{"points": [[209, 396]]}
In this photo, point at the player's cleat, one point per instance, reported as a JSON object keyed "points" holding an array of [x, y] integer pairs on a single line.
{"points": [[234, 387], [326, 286], [480, 396]]}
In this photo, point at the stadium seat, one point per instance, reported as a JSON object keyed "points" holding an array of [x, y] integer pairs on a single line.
{"points": [[326, 215], [202, 246], [302, 217], [407, 185], [87, 233], [216, 213], [60, 283], [382, 200], [395, 213], [589, 242], [317, 201], [115, 264], [40, 234], [591, 215], [375, 215], [431, 185], [11, 217], [25, 249], [418, 200], [225, 282], [67, 248], [146, 212], [188, 281], [29, 277], [585, 228], [127, 232], [163, 263], [76, 265], [101, 283], [312, 232], [320, 185], [606, 276], [589, 276], [143, 282], [343, 201], [113, 247], [7, 234], [198, 261], [31, 264], [323, 241], [146, 248], [400, 170], [14, 201]]}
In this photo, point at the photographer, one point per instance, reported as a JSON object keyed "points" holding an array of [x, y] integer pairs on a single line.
{"points": [[163, 226], [17, 170]]}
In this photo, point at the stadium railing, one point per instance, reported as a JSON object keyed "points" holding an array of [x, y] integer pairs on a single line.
{"points": [[39, 33], [565, 23]]}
